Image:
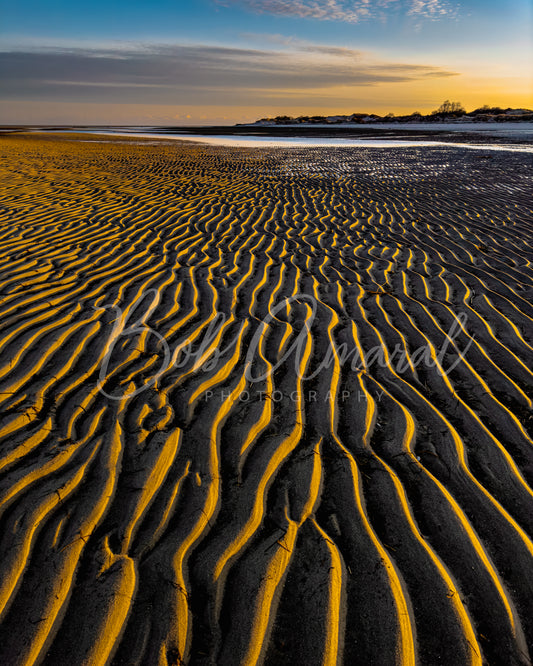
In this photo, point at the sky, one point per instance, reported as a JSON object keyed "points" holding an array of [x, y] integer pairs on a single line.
{"points": [[176, 62]]}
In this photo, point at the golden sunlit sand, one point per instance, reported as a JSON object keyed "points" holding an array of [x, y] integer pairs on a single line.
{"points": [[186, 478]]}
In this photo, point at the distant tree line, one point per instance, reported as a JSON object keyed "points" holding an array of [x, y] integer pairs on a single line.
{"points": [[447, 111]]}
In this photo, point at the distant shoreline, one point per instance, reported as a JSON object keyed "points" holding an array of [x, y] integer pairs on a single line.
{"points": [[478, 133]]}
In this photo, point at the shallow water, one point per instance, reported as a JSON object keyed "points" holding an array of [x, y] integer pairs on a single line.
{"points": [[249, 141]]}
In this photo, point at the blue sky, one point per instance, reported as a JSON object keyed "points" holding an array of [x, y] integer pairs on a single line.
{"points": [[235, 60]]}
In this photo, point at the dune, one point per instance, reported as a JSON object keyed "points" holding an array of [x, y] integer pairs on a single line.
{"points": [[264, 406]]}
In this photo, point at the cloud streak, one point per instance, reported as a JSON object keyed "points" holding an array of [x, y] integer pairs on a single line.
{"points": [[197, 74], [347, 11]]}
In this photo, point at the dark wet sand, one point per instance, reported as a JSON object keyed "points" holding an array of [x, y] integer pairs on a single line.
{"points": [[365, 499]]}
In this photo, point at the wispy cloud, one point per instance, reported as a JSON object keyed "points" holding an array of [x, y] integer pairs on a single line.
{"points": [[348, 11], [198, 74], [330, 10], [304, 46], [433, 9], [334, 51]]}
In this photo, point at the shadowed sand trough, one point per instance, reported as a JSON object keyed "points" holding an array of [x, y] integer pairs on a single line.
{"points": [[187, 478]]}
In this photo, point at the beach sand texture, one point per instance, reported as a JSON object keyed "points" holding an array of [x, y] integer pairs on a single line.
{"points": [[178, 486]]}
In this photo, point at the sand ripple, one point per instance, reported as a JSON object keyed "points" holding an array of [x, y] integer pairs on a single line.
{"points": [[219, 499]]}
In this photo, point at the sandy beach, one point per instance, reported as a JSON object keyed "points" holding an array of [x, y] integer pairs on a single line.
{"points": [[264, 406]]}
